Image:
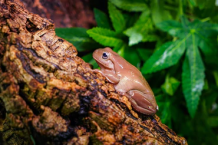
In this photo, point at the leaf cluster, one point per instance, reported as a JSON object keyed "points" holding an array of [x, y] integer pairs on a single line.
{"points": [[174, 44]]}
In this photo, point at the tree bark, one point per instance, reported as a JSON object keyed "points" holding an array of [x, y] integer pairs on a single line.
{"points": [[48, 95], [64, 13]]}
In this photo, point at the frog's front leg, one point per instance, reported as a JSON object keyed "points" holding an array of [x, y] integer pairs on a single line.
{"points": [[110, 75], [97, 71], [144, 103]]}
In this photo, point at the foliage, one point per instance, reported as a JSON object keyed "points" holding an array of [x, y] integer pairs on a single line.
{"points": [[174, 44]]}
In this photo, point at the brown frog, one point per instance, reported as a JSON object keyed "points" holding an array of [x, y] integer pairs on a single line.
{"points": [[128, 80]]}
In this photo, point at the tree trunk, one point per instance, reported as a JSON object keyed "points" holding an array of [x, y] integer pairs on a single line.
{"points": [[48, 95]]}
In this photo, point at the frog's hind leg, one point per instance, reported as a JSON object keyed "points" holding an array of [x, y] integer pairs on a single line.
{"points": [[143, 103]]}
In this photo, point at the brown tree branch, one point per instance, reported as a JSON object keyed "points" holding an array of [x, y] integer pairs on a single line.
{"points": [[49, 95]]}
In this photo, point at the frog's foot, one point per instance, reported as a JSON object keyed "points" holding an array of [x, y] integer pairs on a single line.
{"points": [[143, 103]]}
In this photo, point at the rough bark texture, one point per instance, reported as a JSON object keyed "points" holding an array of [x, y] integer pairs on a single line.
{"points": [[50, 9], [49, 95], [64, 13], [80, 13]]}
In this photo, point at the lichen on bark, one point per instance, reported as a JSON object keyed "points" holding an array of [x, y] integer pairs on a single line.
{"points": [[48, 95]]}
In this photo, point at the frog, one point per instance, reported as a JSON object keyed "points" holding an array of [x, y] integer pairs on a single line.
{"points": [[127, 80]]}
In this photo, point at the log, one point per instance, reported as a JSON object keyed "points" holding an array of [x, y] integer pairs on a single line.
{"points": [[48, 95]]}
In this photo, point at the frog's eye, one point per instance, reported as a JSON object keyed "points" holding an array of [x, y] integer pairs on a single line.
{"points": [[105, 55]]}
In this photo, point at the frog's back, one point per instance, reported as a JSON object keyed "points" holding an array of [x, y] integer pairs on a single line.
{"points": [[132, 80], [131, 77]]}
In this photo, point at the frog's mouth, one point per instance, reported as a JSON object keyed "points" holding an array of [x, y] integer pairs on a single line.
{"points": [[108, 65]]}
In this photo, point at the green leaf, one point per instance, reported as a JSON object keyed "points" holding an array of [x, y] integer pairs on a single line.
{"points": [[207, 34], [207, 45], [174, 28], [192, 76], [144, 53], [165, 112], [105, 37], [204, 28], [170, 85], [158, 12], [215, 74], [117, 18], [209, 49], [102, 19], [89, 59], [131, 56], [78, 37], [195, 34], [33, 140], [193, 3], [212, 121], [130, 5], [206, 86], [200, 30], [120, 50], [201, 3], [167, 55], [142, 30], [185, 22], [131, 18]]}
